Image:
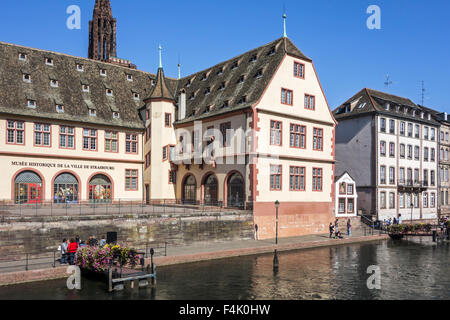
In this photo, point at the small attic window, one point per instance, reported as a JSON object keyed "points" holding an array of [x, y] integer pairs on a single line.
{"points": [[208, 109], [26, 78], [222, 86], [204, 77], [116, 115], [254, 58], [272, 51], [235, 65], [242, 100], [129, 77], [92, 113], [259, 74], [192, 96], [362, 105], [225, 104], [85, 88], [109, 92], [188, 84], [59, 108], [103, 72], [241, 79], [207, 91], [31, 103], [49, 61], [22, 56], [54, 83], [220, 71], [136, 96], [80, 67]]}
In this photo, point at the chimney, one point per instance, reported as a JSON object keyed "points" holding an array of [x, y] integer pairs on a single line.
{"points": [[182, 106], [445, 116]]}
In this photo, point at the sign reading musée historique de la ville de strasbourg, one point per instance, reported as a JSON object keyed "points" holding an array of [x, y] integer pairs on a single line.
{"points": [[60, 165]]}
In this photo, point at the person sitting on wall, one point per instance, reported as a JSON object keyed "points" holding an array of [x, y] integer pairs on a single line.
{"points": [[339, 235]]}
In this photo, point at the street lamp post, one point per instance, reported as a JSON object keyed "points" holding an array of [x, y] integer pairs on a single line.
{"points": [[277, 205]]}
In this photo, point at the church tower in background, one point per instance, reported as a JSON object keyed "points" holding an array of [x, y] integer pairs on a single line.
{"points": [[102, 35], [102, 32]]}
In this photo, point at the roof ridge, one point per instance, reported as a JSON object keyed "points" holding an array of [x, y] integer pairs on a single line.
{"points": [[231, 59], [77, 57]]}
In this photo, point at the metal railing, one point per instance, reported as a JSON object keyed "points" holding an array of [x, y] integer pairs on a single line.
{"points": [[116, 207], [52, 259]]}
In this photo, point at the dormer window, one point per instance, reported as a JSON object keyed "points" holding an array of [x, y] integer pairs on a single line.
{"points": [[241, 79], [204, 77], [92, 113], [59, 108], [188, 84], [54, 83], [422, 115], [129, 77], [235, 65], [429, 116], [222, 86], [259, 74], [22, 56], [242, 100], [254, 58], [26, 78], [103, 72], [80, 67], [85, 88], [192, 96], [225, 104], [116, 115], [208, 109], [388, 106], [136, 96], [207, 91], [414, 113], [272, 51], [109, 92], [31, 103], [405, 110], [49, 61], [220, 71]]}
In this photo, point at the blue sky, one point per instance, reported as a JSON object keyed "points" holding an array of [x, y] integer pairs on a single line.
{"points": [[412, 46]]}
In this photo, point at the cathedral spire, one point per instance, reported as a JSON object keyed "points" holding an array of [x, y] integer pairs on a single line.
{"points": [[102, 32]]}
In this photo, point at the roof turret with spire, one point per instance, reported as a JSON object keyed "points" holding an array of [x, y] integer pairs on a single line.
{"points": [[160, 89]]}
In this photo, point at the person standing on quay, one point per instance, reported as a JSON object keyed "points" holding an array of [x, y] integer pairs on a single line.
{"points": [[64, 253], [331, 230], [349, 228], [72, 250]]}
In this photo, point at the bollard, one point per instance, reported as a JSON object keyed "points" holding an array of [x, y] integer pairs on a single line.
{"points": [[275, 261]]}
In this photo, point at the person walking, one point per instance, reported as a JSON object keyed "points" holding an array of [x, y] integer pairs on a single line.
{"points": [[64, 252], [256, 232], [349, 228], [72, 250]]}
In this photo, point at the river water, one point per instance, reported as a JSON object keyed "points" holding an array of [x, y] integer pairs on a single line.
{"points": [[415, 269]]}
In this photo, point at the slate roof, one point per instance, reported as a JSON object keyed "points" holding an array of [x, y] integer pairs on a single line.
{"points": [[14, 92], [368, 101], [246, 75], [160, 89], [229, 86]]}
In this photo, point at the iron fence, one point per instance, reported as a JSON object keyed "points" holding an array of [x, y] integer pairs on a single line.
{"points": [[113, 208]]}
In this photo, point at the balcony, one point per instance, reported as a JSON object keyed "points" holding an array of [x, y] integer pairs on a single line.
{"points": [[412, 186]]}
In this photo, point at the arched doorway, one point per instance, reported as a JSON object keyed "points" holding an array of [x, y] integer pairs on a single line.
{"points": [[100, 189], [210, 190], [65, 188], [190, 190], [235, 191], [28, 188]]}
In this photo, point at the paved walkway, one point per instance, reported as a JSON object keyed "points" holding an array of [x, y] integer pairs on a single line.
{"points": [[215, 250]]}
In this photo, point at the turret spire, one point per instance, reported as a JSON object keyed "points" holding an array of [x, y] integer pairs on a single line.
{"points": [[160, 56], [284, 26]]}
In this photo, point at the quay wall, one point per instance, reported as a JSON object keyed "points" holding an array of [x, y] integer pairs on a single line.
{"points": [[44, 234]]}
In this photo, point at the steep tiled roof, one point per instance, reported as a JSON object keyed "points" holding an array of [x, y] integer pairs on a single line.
{"points": [[369, 101], [160, 89], [236, 83], [14, 92]]}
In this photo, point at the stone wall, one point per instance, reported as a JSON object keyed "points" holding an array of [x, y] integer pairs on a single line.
{"points": [[36, 235]]}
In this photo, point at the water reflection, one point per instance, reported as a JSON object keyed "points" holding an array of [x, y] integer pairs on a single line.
{"points": [[409, 270]]}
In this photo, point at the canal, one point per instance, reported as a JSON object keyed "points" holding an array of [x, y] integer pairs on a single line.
{"points": [[415, 269]]}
